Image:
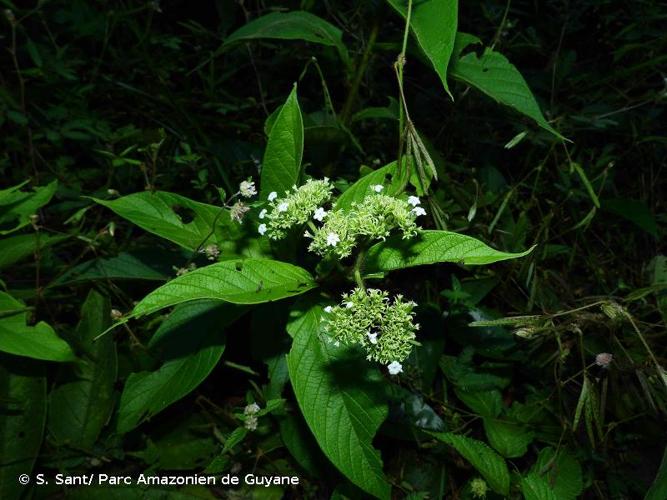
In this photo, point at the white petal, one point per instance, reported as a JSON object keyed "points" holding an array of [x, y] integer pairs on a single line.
{"points": [[414, 201], [272, 196], [283, 207], [327, 309], [395, 368], [262, 214], [262, 229]]}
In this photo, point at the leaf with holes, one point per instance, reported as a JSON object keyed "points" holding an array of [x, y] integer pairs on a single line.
{"points": [[342, 400], [250, 281], [432, 247], [281, 166]]}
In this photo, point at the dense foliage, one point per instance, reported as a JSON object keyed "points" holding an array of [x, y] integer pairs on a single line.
{"points": [[401, 248]]}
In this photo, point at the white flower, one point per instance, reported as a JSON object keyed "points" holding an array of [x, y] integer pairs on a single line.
{"points": [[327, 309], [332, 239], [251, 409], [306, 234], [272, 196], [337, 343], [263, 213], [604, 359], [212, 251], [251, 423], [395, 368], [247, 189], [262, 229], [282, 207], [414, 201], [320, 214], [418, 211], [238, 211], [377, 187], [349, 305], [372, 338]]}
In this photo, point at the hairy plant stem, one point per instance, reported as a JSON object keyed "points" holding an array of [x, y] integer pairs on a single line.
{"points": [[402, 108]]}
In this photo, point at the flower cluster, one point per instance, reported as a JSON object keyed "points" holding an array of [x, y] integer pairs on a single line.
{"points": [[295, 208], [384, 328], [250, 414], [374, 219]]}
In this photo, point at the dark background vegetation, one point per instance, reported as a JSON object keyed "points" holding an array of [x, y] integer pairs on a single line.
{"points": [[83, 81]]}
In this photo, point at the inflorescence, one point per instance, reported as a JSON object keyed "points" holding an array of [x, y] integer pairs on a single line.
{"points": [[384, 328]]}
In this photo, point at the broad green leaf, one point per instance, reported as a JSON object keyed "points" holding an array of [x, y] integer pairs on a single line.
{"points": [[152, 265], [192, 342], [658, 489], [510, 439], [431, 247], [281, 166], [341, 399], [81, 406], [562, 472], [39, 341], [494, 75], [487, 462], [22, 417], [197, 223], [17, 206], [16, 248], [634, 211], [301, 445], [433, 23], [362, 188], [536, 487], [295, 25], [484, 403], [250, 281]]}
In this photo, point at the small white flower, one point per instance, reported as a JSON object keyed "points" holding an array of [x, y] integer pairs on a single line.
{"points": [[395, 368], [372, 338], [604, 359], [337, 344], [306, 234], [320, 214], [251, 423], [283, 207], [262, 229], [377, 187], [414, 201], [251, 409], [418, 211], [328, 309], [349, 305], [272, 196], [116, 314], [263, 213], [332, 239], [247, 189]]}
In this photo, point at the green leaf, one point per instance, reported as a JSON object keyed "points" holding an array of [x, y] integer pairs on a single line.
{"points": [[510, 439], [342, 400], [80, 407], [17, 248], [250, 281], [658, 489], [431, 247], [362, 188], [433, 23], [535, 487], [562, 472], [17, 206], [22, 417], [487, 462], [494, 75], [196, 225], [151, 265], [39, 341], [193, 342], [281, 166], [296, 25], [634, 211], [484, 403]]}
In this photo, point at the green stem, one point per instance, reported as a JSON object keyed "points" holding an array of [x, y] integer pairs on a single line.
{"points": [[402, 108], [358, 265]]}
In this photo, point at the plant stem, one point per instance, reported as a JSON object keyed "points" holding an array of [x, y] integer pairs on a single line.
{"points": [[358, 264], [402, 108]]}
